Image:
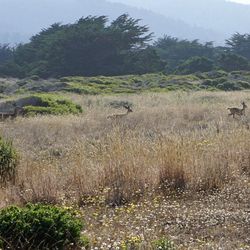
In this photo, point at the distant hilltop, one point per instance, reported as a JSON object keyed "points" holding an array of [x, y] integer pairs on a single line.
{"points": [[223, 17], [213, 20]]}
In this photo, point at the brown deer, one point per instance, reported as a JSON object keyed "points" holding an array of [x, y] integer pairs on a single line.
{"points": [[238, 111], [117, 116], [16, 112]]}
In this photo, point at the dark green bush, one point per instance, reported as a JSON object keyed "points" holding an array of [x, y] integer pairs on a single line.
{"points": [[40, 227], [209, 83], [244, 84], [229, 85], [34, 77], [221, 80], [232, 62], [216, 74], [195, 64], [8, 161]]}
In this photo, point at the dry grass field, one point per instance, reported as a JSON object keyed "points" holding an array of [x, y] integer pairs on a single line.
{"points": [[177, 167]]}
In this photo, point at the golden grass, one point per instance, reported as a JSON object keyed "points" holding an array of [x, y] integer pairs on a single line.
{"points": [[171, 143], [179, 141]]}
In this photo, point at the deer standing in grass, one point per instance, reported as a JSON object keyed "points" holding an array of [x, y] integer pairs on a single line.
{"points": [[117, 116], [238, 111]]}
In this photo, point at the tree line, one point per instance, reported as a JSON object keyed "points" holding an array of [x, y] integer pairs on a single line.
{"points": [[93, 46]]}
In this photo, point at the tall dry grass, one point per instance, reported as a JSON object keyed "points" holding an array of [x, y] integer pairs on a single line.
{"points": [[171, 142]]}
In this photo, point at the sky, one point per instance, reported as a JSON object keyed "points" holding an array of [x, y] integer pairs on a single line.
{"points": [[242, 1]]}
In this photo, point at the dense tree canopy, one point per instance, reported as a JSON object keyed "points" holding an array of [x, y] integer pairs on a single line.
{"points": [[5, 53], [195, 64], [239, 44], [88, 47], [231, 62], [93, 46], [175, 51], [183, 56]]}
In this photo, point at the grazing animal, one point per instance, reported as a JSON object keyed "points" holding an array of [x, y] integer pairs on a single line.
{"points": [[238, 111], [16, 112], [117, 116]]}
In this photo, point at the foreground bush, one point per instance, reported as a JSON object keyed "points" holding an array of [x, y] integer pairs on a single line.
{"points": [[8, 161], [40, 227]]}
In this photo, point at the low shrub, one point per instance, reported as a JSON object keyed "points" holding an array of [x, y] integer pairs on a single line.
{"points": [[244, 84], [8, 161], [209, 83], [216, 74], [34, 77], [221, 80], [50, 104], [195, 64], [229, 85], [40, 227]]}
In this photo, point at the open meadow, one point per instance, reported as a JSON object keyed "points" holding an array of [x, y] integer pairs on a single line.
{"points": [[122, 132], [177, 168]]}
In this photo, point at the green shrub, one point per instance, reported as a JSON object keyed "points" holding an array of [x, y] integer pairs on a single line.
{"points": [[221, 80], [195, 64], [229, 85], [34, 77], [244, 84], [51, 104], [216, 74], [8, 161], [209, 83], [232, 62], [163, 244], [40, 227], [85, 90]]}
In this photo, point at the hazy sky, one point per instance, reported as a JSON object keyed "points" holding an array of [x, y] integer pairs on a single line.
{"points": [[241, 1]]}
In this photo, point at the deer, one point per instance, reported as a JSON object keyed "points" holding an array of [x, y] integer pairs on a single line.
{"points": [[238, 111], [16, 112], [117, 116]]}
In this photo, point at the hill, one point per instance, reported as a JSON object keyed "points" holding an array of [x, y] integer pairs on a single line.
{"points": [[221, 16], [28, 18]]}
